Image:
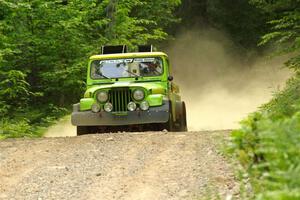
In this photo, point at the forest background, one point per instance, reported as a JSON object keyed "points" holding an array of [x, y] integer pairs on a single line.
{"points": [[44, 47]]}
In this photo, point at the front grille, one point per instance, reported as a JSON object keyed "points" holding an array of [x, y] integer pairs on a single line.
{"points": [[120, 98]]}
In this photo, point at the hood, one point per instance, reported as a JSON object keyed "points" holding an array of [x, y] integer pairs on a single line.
{"points": [[157, 86]]}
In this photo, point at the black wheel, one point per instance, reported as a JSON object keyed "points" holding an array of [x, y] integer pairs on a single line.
{"points": [[83, 130], [169, 125], [183, 122]]}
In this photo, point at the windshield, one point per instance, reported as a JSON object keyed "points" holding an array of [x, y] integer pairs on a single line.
{"points": [[125, 68]]}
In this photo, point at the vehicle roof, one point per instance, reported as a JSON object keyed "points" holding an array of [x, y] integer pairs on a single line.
{"points": [[126, 55]]}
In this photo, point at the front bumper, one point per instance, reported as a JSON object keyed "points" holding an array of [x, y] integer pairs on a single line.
{"points": [[158, 114]]}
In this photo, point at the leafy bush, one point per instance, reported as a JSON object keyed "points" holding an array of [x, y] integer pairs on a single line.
{"points": [[268, 144], [14, 93], [14, 129], [31, 122]]}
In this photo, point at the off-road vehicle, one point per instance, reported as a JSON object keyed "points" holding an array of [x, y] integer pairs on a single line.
{"points": [[129, 92]]}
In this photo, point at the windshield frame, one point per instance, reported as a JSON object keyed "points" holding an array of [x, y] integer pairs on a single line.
{"points": [[130, 77]]}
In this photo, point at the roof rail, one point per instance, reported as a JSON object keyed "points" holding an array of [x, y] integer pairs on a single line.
{"points": [[114, 49], [145, 48]]}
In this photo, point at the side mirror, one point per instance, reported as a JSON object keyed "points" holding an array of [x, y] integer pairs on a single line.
{"points": [[170, 78]]}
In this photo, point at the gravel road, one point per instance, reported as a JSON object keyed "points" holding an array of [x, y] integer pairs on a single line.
{"points": [[128, 166]]}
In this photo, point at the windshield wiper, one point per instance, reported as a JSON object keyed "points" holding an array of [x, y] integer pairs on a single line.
{"points": [[105, 76], [135, 75]]}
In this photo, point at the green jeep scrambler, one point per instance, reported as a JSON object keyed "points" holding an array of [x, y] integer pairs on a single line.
{"points": [[129, 92]]}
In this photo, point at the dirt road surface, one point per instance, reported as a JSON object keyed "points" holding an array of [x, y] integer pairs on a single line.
{"points": [[130, 166]]}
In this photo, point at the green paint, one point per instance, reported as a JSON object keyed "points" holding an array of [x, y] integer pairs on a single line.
{"points": [[86, 104], [156, 88]]}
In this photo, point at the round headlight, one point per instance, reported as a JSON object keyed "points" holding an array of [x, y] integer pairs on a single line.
{"points": [[131, 106], [108, 107], [144, 105], [102, 96], [96, 108], [138, 95]]}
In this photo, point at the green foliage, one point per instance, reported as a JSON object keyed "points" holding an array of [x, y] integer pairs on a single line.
{"points": [[285, 103], [14, 93], [138, 22], [241, 21], [32, 122], [285, 32], [44, 47], [51, 41], [9, 128], [268, 144]]}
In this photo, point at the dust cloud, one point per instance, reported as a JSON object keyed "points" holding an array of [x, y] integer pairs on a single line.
{"points": [[63, 128], [218, 86]]}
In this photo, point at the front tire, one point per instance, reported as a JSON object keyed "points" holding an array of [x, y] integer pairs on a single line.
{"points": [[183, 121], [170, 125], [83, 130]]}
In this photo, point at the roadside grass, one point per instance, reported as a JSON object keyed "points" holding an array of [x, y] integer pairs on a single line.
{"points": [[239, 173], [31, 123], [220, 140], [268, 146]]}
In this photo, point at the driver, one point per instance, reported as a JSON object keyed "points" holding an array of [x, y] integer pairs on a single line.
{"points": [[150, 68]]}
